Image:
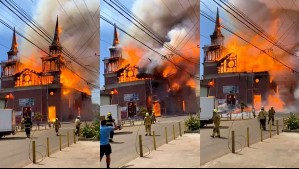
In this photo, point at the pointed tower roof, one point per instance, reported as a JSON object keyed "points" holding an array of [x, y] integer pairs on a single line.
{"points": [[115, 38], [56, 35], [14, 46], [217, 30]]}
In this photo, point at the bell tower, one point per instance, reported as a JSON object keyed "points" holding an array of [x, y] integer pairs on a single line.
{"points": [[11, 66], [114, 62], [55, 62]]}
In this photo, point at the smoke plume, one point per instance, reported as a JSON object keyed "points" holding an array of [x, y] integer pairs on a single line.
{"points": [[279, 19], [177, 23], [75, 33]]}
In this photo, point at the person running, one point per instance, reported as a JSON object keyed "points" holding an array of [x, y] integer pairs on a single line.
{"points": [[105, 146]]}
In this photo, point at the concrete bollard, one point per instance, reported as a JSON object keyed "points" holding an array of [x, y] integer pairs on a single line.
{"points": [[74, 133], [60, 142], [166, 137], [140, 146], [173, 132], [33, 152], [261, 135], [48, 147], [270, 127], [277, 127], [180, 129], [68, 139], [283, 124], [233, 142], [242, 116], [230, 116], [248, 139], [154, 139], [45, 126]]}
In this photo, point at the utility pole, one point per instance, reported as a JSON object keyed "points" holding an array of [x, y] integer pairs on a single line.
{"points": [[252, 92]]}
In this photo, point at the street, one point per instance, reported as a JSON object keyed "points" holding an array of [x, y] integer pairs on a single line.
{"points": [[15, 150], [126, 149], [213, 148]]}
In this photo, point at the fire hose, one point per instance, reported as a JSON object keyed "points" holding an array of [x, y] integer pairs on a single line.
{"points": [[31, 151], [236, 136], [145, 146], [150, 150]]}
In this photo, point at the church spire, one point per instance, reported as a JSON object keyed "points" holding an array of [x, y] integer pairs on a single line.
{"points": [[217, 37], [115, 38], [14, 46], [56, 35], [217, 29]]}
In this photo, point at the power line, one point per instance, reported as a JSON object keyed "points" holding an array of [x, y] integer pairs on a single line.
{"points": [[43, 32], [163, 56], [148, 31], [253, 26], [262, 51]]}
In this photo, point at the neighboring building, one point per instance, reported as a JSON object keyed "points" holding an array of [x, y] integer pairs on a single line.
{"points": [[28, 91], [222, 79], [132, 90]]}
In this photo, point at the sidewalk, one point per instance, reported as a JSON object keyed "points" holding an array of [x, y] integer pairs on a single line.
{"points": [[278, 152], [84, 154], [184, 152]]}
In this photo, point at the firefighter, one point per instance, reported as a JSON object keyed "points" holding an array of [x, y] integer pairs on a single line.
{"points": [[271, 115], [28, 126], [148, 124], [153, 117], [262, 118], [216, 121], [57, 125], [77, 124], [23, 124], [109, 122]]}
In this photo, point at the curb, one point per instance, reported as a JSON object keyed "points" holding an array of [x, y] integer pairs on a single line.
{"points": [[87, 139], [192, 132], [290, 131]]}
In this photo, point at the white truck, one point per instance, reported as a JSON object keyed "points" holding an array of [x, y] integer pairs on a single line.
{"points": [[7, 122], [115, 111], [207, 105]]}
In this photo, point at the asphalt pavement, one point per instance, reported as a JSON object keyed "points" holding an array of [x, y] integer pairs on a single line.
{"points": [[125, 148], [213, 148], [278, 152], [16, 150]]}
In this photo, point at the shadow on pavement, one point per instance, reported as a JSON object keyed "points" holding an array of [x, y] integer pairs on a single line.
{"points": [[124, 133], [127, 166], [212, 127], [14, 138], [117, 143]]}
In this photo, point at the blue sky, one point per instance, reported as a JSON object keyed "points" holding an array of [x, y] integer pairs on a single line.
{"points": [[6, 33], [207, 26], [31, 7], [106, 30]]}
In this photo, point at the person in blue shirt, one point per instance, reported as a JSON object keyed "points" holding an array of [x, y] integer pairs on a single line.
{"points": [[104, 141]]}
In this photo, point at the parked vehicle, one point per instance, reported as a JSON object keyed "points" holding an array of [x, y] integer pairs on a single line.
{"points": [[115, 111], [7, 122], [207, 105]]}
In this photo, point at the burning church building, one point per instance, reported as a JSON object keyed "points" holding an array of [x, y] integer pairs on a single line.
{"points": [[133, 88], [227, 82], [46, 92]]}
